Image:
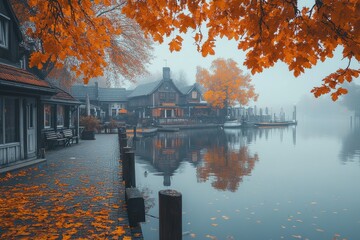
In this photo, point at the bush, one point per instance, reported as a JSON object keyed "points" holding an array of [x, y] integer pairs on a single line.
{"points": [[90, 123], [113, 124]]}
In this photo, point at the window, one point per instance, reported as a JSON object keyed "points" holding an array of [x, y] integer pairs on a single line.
{"points": [[162, 95], [113, 112], [71, 123], [194, 94], [47, 116], [9, 120], [172, 95], [60, 116], [30, 112], [4, 31]]}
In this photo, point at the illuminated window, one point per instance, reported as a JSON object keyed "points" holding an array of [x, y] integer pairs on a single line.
{"points": [[194, 94]]}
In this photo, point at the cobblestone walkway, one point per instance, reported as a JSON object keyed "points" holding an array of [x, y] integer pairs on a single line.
{"points": [[77, 193]]}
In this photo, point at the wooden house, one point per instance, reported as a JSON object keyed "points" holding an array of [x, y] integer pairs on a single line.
{"points": [[193, 103], [58, 112], [20, 97], [159, 99], [106, 103], [28, 105]]}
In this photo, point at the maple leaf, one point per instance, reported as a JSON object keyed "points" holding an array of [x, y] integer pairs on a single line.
{"points": [[119, 231]]}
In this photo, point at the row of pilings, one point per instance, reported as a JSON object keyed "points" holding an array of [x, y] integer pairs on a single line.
{"points": [[170, 201]]}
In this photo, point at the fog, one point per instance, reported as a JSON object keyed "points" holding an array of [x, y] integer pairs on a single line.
{"points": [[277, 87]]}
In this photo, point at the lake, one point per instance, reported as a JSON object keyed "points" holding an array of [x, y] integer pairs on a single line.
{"points": [[263, 183]]}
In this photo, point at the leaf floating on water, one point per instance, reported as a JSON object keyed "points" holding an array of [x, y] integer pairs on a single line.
{"points": [[225, 217], [319, 230], [298, 213], [313, 203], [296, 236], [211, 237], [214, 224], [237, 210], [193, 235], [276, 209], [299, 220], [213, 218], [282, 226]]}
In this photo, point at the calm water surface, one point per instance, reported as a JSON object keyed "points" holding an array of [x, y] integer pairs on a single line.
{"points": [[277, 183]]}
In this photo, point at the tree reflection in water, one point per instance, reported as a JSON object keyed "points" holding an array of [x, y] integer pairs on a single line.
{"points": [[226, 165]]}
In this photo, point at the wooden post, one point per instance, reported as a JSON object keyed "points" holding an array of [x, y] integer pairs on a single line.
{"points": [[170, 215], [130, 175], [134, 132], [123, 143], [125, 163], [135, 206]]}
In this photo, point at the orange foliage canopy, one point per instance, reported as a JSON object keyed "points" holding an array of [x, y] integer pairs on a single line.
{"points": [[269, 31], [226, 84], [86, 38]]}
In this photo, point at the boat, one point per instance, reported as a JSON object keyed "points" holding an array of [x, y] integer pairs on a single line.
{"points": [[275, 124], [232, 124], [142, 132]]}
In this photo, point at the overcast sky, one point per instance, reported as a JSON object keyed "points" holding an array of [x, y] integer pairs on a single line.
{"points": [[276, 86]]}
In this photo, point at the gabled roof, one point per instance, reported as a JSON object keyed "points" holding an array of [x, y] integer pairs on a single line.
{"points": [[18, 77], [113, 94], [64, 96], [145, 89], [80, 91], [188, 89]]}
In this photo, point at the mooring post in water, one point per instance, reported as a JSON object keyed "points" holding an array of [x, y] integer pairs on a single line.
{"points": [[170, 215], [130, 169], [125, 163], [134, 132]]}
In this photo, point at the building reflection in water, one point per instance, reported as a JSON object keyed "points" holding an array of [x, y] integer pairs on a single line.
{"points": [[219, 156]]}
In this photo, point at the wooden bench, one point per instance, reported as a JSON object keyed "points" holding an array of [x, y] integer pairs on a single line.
{"points": [[68, 134], [51, 138]]}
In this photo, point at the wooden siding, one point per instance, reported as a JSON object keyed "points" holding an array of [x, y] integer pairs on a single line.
{"points": [[9, 153]]}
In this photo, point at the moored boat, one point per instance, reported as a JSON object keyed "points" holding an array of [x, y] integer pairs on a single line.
{"points": [[232, 124], [275, 124], [143, 132]]}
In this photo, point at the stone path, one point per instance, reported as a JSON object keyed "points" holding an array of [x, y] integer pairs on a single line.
{"points": [[77, 193]]}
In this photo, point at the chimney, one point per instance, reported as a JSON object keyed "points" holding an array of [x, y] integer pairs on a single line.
{"points": [[166, 73]]}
